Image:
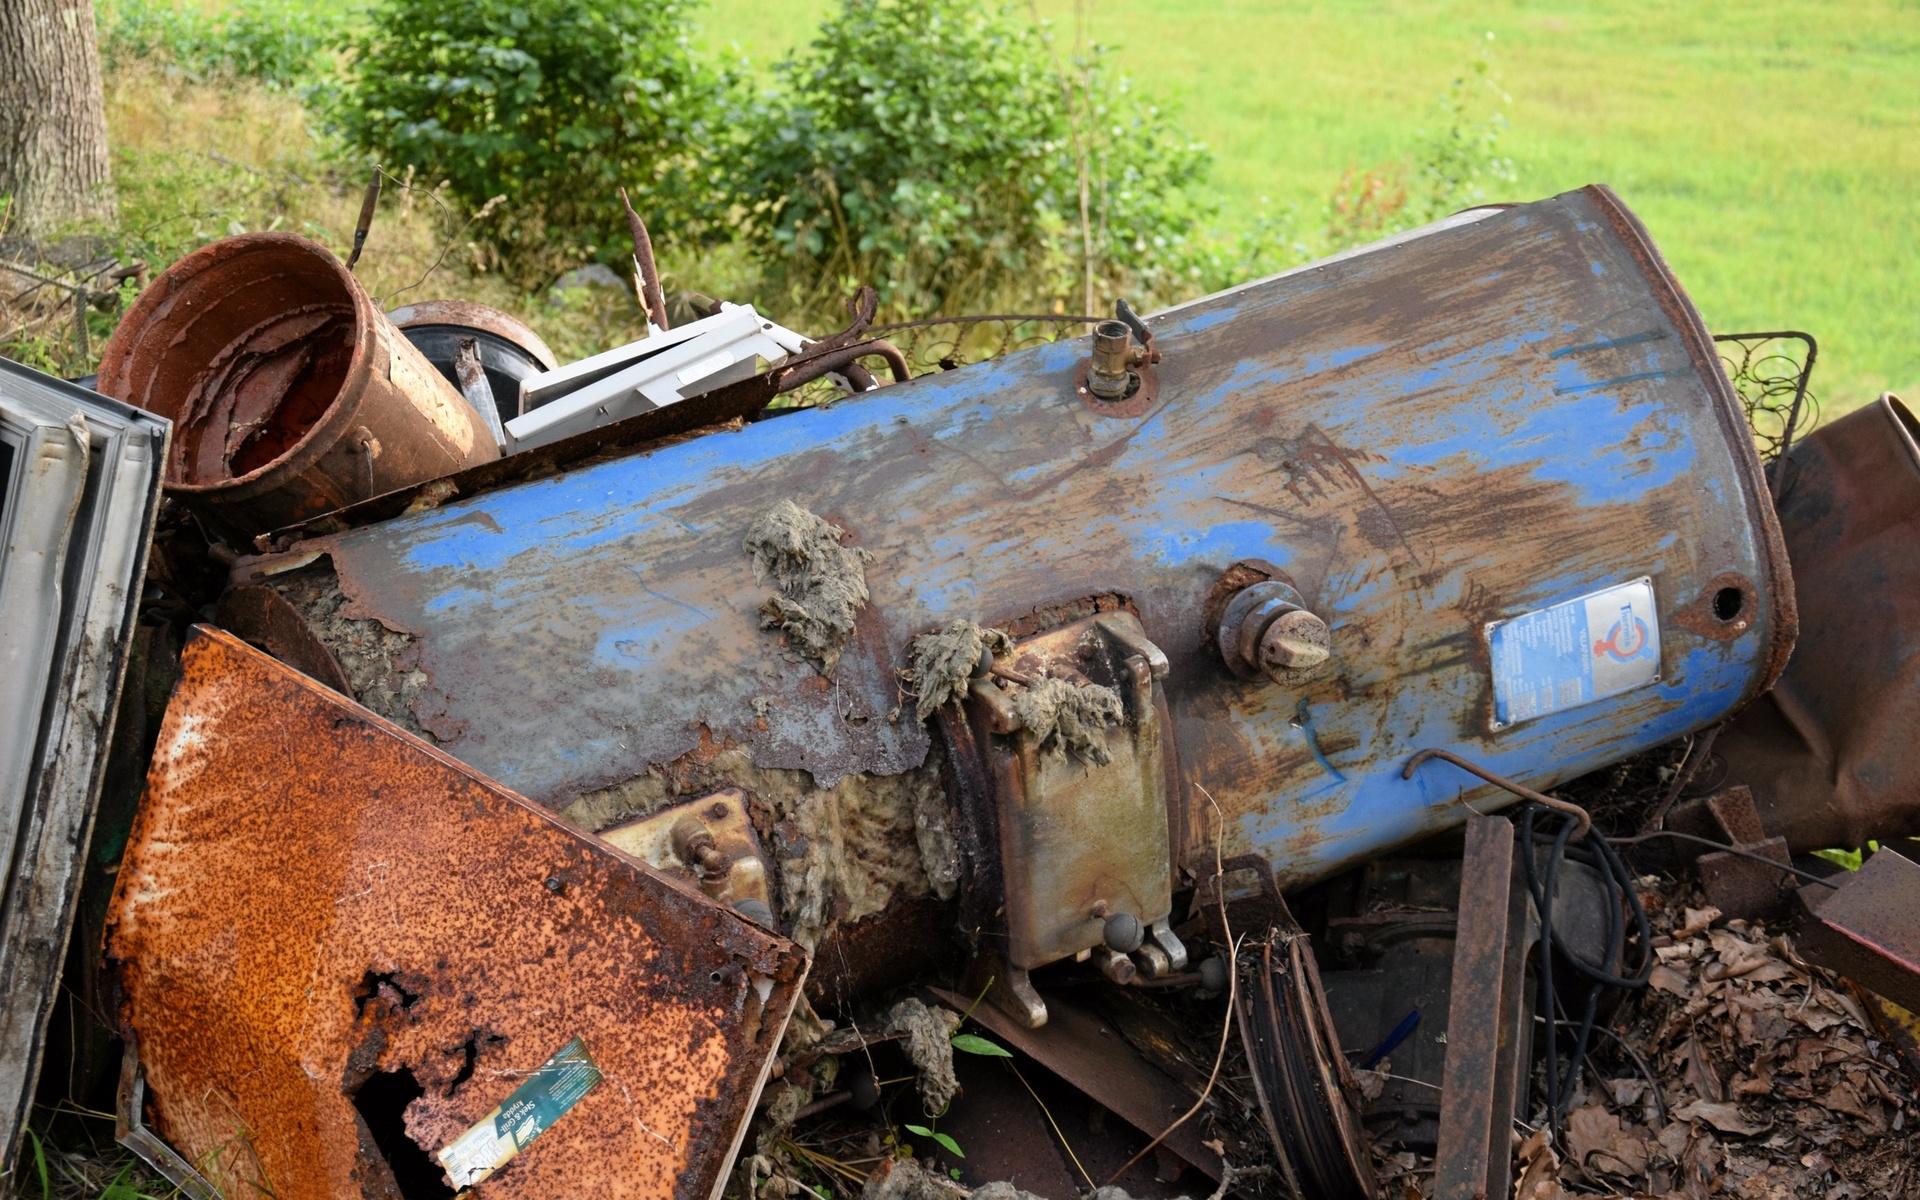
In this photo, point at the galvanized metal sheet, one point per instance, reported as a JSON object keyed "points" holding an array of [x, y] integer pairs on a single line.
{"points": [[1488, 420], [339, 950]]}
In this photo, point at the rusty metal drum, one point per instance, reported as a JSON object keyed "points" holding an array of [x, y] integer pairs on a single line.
{"points": [[291, 394]]}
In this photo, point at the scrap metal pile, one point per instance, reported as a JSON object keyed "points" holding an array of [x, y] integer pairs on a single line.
{"points": [[439, 769]]}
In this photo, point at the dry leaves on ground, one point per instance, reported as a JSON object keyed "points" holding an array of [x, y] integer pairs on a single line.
{"points": [[1775, 1082]]}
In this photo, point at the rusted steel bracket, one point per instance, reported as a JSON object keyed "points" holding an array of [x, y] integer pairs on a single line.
{"points": [[1487, 1041], [1869, 928], [1088, 1049], [1085, 856], [1737, 882]]}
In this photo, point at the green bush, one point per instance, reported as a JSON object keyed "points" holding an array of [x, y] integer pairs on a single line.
{"points": [[1457, 162], [553, 104], [281, 44], [938, 150]]}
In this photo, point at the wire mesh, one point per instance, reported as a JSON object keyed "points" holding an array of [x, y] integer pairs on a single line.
{"points": [[1770, 372]]}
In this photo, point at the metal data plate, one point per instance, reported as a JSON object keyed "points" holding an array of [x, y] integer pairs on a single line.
{"points": [[342, 953], [1575, 652]]}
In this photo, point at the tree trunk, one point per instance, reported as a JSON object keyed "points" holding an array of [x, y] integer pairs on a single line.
{"points": [[53, 128]]}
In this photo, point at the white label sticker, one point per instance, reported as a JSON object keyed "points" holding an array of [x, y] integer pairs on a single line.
{"points": [[1576, 652]]}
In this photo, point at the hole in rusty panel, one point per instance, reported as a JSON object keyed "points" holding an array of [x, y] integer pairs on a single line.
{"points": [[384, 986], [382, 1104], [468, 1050], [1728, 603]]}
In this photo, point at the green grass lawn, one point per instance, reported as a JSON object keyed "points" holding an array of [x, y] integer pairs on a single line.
{"points": [[1772, 148]]}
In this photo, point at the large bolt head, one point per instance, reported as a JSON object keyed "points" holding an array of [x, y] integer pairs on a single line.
{"points": [[1294, 646]]}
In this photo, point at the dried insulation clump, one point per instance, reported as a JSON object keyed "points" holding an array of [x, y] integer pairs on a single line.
{"points": [[930, 1047], [1069, 718], [942, 662], [820, 585], [906, 1179]]}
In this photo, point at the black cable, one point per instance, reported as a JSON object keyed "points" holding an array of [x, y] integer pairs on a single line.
{"points": [[1736, 851], [1542, 880]]}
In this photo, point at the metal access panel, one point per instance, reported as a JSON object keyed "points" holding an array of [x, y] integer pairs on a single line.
{"points": [[353, 967], [79, 486]]}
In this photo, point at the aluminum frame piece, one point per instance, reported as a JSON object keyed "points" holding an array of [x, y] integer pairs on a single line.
{"points": [[79, 489], [1482, 422], [314, 905]]}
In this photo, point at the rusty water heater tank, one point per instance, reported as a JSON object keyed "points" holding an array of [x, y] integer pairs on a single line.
{"points": [[1484, 489]]}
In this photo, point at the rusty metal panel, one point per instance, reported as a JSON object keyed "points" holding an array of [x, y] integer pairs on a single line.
{"points": [[338, 949], [1830, 752], [1462, 427], [1868, 929], [1487, 1036]]}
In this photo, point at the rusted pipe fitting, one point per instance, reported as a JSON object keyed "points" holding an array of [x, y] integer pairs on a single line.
{"points": [[291, 395], [1117, 967], [694, 845], [1267, 630], [1107, 375]]}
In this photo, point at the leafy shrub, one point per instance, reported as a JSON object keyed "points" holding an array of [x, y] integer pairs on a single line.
{"points": [[553, 104], [1455, 164], [281, 44], [938, 150]]}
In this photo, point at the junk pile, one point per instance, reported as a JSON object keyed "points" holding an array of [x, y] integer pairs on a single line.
{"points": [[451, 771]]}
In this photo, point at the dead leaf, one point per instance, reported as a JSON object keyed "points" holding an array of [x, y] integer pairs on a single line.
{"points": [[1540, 1170], [1699, 1074], [1817, 1019], [1590, 1129], [1628, 1093], [1732, 947], [1664, 978], [1844, 1098], [1697, 920], [1724, 1117], [1372, 1083]]}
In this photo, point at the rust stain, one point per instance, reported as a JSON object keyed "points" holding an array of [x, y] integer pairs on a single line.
{"points": [[339, 948]]}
